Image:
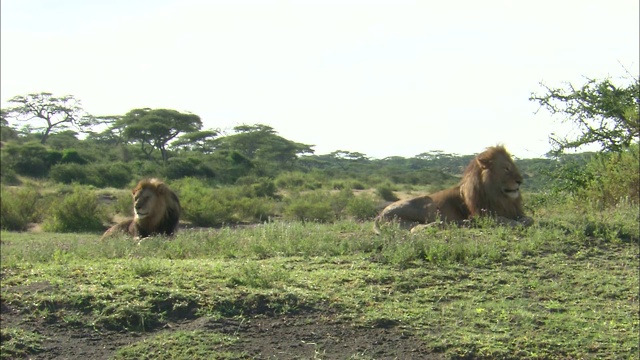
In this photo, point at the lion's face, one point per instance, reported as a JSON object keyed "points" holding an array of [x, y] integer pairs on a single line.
{"points": [[145, 202], [501, 177]]}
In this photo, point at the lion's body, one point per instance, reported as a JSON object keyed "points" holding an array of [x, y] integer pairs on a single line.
{"points": [[156, 208], [490, 186]]}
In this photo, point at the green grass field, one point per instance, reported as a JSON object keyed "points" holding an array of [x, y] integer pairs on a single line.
{"points": [[565, 288]]}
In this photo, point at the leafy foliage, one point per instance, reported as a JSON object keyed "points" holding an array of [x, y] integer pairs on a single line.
{"points": [[261, 145], [30, 159], [72, 156], [296, 180], [606, 114], [18, 207], [114, 174], [613, 177], [362, 207], [313, 206], [385, 191], [203, 205], [77, 211], [154, 128], [57, 113]]}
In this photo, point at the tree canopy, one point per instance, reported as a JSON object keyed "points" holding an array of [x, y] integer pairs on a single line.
{"points": [[262, 145], [605, 113], [155, 128], [48, 114]]}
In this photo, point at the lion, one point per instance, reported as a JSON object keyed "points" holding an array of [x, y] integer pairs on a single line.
{"points": [[156, 211], [490, 186]]}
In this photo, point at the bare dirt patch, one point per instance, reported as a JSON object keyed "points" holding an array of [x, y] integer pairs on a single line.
{"points": [[306, 335]]}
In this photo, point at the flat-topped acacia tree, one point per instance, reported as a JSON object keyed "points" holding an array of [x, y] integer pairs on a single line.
{"points": [[155, 128], [48, 114]]}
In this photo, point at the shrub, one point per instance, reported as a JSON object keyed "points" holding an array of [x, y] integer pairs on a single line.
{"points": [[19, 207], [70, 173], [264, 188], [70, 156], [614, 178], [117, 175], [339, 201], [178, 168], [75, 212], [605, 179], [338, 185], [206, 206], [357, 185], [124, 204], [313, 206], [8, 176], [385, 191], [297, 181], [362, 207], [29, 159]]}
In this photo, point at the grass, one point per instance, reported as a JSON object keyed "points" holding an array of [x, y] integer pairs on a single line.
{"points": [[186, 345], [18, 343], [564, 288]]}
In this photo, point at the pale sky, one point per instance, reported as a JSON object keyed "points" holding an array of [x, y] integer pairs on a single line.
{"points": [[383, 78]]}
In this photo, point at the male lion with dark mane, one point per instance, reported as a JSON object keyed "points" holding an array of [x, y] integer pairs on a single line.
{"points": [[156, 208], [490, 186]]}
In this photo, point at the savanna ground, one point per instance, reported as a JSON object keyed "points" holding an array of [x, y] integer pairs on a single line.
{"points": [[565, 288]]}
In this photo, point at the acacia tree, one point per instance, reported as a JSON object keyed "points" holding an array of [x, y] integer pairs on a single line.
{"points": [[49, 114], [605, 113], [262, 145], [200, 141], [155, 128], [6, 133]]}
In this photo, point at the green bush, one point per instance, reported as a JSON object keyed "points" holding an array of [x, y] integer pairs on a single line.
{"points": [[362, 207], [385, 191], [19, 207], [77, 211], [178, 168], [29, 159], [265, 188], [297, 181], [338, 184], [312, 206], [339, 201], [605, 179], [203, 205], [614, 178], [71, 156], [70, 173], [357, 185], [116, 175], [8, 176], [124, 204]]}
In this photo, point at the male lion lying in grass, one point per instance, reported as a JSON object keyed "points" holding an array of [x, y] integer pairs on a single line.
{"points": [[490, 186], [156, 208]]}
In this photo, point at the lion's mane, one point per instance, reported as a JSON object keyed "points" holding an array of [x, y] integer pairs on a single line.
{"points": [[156, 211], [490, 186]]}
